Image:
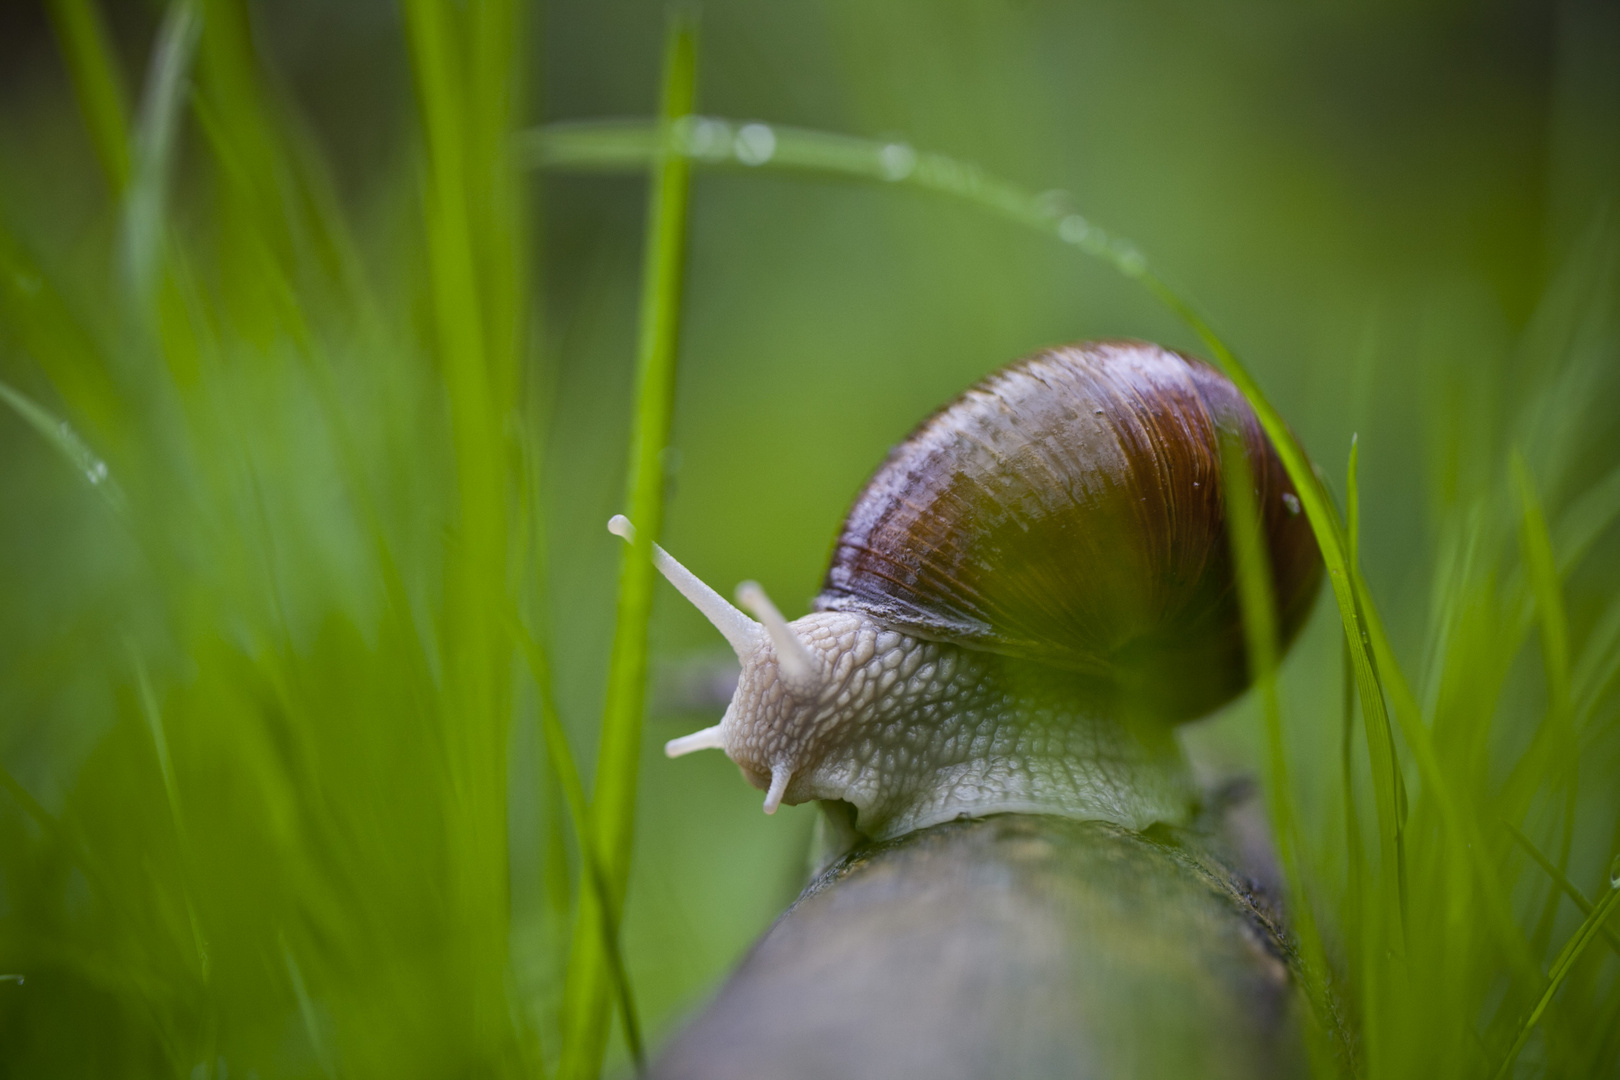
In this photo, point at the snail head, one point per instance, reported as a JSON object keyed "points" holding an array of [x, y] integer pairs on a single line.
{"points": [[786, 671]]}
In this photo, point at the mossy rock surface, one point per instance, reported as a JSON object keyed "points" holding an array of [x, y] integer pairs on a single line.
{"points": [[1010, 946]]}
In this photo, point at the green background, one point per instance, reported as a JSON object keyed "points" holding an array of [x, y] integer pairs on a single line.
{"points": [[1400, 214]]}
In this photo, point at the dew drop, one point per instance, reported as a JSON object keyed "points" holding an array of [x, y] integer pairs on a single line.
{"points": [[755, 144], [1291, 501], [897, 160], [1614, 873], [1129, 259], [1074, 229], [707, 137], [97, 472], [1052, 204]]}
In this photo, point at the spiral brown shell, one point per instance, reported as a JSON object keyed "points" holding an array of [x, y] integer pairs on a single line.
{"points": [[1069, 510]]}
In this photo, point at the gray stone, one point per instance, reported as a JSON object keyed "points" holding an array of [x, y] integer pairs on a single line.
{"points": [[1009, 946]]}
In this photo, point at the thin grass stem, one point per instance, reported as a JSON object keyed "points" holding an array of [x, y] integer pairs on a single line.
{"points": [[565, 773], [1256, 597], [1559, 972], [1561, 881], [97, 83], [612, 821]]}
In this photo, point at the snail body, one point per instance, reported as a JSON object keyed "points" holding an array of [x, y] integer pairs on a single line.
{"points": [[1025, 598]]}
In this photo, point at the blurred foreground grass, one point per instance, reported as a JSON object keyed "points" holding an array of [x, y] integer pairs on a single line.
{"points": [[301, 474]]}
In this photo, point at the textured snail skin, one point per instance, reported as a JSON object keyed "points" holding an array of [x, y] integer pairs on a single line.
{"points": [[913, 732]]}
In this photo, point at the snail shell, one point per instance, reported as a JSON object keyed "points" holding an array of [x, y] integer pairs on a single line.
{"points": [[1029, 592], [1069, 510]]}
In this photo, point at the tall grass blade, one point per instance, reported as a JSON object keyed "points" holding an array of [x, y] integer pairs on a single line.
{"points": [[1557, 735], [1257, 601], [155, 135], [97, 83], [1562, 881], [1355, 854], [1560, 971], [613, 805], [565, 774], [478, 333], [1587, 519], [44, 326], [65, 441], [1537, 546], [308, 1014]]}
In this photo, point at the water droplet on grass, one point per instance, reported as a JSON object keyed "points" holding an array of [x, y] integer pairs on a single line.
{"points": [[706, 137], [1074, 229], [1291, 501], [1614, 873], [897, 160], [756, 143], [1130, 261], [1052, 204]]}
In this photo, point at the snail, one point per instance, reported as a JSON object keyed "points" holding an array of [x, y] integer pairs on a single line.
{"points": [[1025, 599]]}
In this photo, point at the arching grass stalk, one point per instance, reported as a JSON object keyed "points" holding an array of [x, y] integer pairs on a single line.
{"points": [[712, 141]]}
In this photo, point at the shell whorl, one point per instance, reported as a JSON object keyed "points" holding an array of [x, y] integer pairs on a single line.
{"points": [[1069, 510]]}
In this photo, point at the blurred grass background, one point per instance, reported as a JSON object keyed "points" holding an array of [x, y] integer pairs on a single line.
{"points": [[276, 798]]}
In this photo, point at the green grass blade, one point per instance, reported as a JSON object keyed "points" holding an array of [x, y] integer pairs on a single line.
{"points": [[1562, 881], [65, 441], [565, 774], [308, 1014], [1586, 519], [1560, 971], [155, 136], [1256, 598], [1536, 544], [1388, 786], [43, 325], [97, 83], [1355, 862], [160, 745], [1352, 507], [1557, 735], [613, 807], [472, 254], [1458, 816]]}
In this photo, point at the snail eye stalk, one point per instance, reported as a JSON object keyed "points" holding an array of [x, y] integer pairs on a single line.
{"points": [[799, 668], [742, 632]]}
